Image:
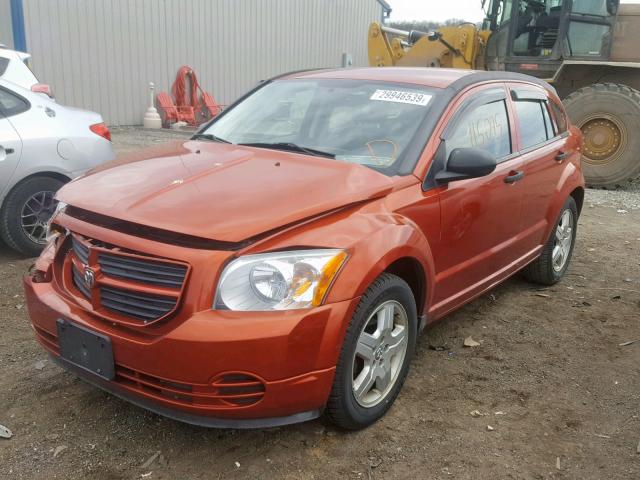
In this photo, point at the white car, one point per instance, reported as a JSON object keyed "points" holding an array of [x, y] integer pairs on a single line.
{"points": [[43, 145], [14, 67]]}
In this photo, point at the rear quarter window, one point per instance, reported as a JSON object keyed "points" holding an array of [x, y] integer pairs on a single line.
{"points": [[11, 104], [560, 117]]}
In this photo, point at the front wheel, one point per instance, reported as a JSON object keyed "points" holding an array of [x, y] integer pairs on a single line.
{"points": [[376, 354], [552, 264]]}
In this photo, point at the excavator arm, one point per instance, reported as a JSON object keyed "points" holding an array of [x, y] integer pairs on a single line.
{"points": [[449, 47]]}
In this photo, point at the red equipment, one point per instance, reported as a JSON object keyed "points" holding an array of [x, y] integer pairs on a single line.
{"points": [[187, 104], [173, 113]]}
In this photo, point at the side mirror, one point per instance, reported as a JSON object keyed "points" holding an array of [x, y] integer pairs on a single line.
{"points": [[467, 163], [42, 88]]}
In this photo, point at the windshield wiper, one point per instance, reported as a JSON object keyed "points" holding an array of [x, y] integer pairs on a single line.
{"points": [[209, 136], [291, 147]]}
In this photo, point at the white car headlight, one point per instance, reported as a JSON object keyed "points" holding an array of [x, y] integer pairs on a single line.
{"points": [[278, 281]]}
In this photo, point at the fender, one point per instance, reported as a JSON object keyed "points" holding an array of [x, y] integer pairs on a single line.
{"points": [[393, 242]]}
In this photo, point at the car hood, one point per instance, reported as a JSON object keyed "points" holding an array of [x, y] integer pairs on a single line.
{"points": [[219, 191]]}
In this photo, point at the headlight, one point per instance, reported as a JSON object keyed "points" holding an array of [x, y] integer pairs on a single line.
{"points": [[278, 281], [54, 232]]}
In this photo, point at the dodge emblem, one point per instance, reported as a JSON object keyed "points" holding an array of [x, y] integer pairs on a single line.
{"points": [[89, 277]]}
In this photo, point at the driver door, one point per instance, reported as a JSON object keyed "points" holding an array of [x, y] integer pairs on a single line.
{"points": [[480, 236]]}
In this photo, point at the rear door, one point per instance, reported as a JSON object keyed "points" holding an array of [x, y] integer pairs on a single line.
{"points": [[10, 142], [542, 141], [480, 216]]}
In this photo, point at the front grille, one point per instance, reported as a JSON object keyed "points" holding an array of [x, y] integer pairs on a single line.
{"points": [[129, 287], [81, 250], [146, 271], [137, 305]]}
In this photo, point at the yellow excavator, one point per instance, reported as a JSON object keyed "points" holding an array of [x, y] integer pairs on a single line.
{"points": [[588, 49]]}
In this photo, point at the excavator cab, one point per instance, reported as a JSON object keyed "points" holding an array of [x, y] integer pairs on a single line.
{"points": [[536, 36]]}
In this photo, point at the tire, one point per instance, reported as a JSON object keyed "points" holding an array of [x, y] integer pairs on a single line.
{"points": [[11, 227], [388, 293], [609, 116], [543, 270]]}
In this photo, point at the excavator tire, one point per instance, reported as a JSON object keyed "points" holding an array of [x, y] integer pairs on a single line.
{"points": [[609, 116]]}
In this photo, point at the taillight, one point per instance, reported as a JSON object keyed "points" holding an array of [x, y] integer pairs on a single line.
{"points": [[102, 130], [42, 88]]}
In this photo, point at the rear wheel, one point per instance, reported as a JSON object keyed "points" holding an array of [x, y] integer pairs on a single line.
{"points": [[25, 213], [552, 264], [609, 116], [376, 353]]}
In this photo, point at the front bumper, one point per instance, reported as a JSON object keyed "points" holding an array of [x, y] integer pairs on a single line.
{"points": [[291, 355]]}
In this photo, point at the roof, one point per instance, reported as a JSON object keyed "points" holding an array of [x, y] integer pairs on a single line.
{"points": [[428, 77], [449, 78]]}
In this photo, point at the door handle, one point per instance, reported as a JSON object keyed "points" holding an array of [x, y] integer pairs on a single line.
{"points": [[514, 176], [8, 151], [561, 156]]}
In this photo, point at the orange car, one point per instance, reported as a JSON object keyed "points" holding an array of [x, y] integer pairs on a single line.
{"points": [[282, 262]]}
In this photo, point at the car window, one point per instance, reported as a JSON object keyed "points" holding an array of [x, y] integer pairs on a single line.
{"points": [[364, 122], [485, 127], [4, 63], [559, 117], [549, 126], [11, 104], [534, 127]]}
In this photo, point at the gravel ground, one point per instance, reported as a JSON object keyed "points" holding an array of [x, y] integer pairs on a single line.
{"points": [[554, 378], [126, 139], [619, 199]]}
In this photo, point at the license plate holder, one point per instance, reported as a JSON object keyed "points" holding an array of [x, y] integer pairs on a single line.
{"points": [[86, 349]]}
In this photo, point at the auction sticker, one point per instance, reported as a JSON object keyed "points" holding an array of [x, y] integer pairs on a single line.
{"points": [[399, 96]]}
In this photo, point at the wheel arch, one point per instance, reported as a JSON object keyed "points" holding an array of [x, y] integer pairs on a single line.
{"points": [[571, 184], [411, 271], [578, 196], [47, 174]]}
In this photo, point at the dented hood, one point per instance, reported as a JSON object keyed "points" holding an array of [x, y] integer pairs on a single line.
{"points": [[219, 191]]}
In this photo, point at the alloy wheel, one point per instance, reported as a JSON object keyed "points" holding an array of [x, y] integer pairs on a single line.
{"points": [[563, 241], [36, 213], [380, 353]]}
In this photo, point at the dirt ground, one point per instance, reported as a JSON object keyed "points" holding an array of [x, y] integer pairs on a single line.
{"points": [[558, 395]]}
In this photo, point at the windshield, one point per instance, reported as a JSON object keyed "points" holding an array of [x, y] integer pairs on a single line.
{"points": [[369, 123]]}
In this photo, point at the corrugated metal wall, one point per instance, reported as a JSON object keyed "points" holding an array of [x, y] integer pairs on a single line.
{"points": [[100, 54], [6, 31]]}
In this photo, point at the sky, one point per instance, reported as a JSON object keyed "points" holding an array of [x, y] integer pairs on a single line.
{"points": [[438, 11]]}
